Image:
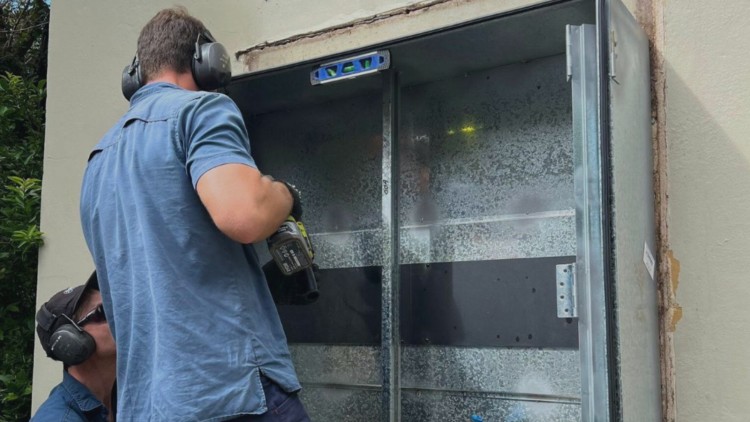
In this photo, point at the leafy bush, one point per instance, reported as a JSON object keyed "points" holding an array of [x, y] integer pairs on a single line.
{"points": [[24, 35], [21, 143]]}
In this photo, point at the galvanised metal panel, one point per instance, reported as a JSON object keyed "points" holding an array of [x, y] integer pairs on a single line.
{"points": [[487, 166], [333, 152], [449, 406], [633, 217], [513, 372], [591, 268], [487, 174]]}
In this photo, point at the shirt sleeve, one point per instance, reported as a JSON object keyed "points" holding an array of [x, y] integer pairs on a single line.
{"points": [[213, 134]]}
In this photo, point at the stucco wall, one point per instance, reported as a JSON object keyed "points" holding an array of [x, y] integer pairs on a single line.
{"points": [[708, 139]]}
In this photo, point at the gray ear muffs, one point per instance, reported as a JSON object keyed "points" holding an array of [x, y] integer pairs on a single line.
{"points": [[71, 345], [210, 65]]}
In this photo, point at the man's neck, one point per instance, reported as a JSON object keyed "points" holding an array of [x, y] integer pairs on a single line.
{"points": [[98, 375], [184, 79]]}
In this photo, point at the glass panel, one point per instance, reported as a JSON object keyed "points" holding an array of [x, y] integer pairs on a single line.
{"points": [[487, 167], [486, 196], [332, 152]]}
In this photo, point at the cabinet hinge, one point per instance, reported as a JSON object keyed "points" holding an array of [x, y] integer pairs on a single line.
{"points": [[566, 291]]}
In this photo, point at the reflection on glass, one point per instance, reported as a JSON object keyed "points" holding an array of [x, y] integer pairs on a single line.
{"points": [[333, 153], [486, 176], [488, 157]]}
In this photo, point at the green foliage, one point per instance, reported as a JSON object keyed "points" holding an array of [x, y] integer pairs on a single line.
{"points": [[24, 31], [20, 239], [21, 143], [24, 35], [21, 127]]}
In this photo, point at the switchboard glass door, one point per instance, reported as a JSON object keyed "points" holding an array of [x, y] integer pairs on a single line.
{"points": [[332, 152], [487, 212]]}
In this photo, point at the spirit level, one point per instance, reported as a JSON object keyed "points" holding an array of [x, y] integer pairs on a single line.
{"points": [[351, 67]]}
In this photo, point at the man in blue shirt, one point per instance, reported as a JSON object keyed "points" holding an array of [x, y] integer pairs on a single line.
{"points": [[170, 203], [72, 328]]}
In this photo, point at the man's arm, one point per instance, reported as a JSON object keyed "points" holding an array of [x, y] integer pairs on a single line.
{"points": [[243, 204]]}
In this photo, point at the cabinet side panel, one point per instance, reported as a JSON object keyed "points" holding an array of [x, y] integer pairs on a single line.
{"points": [[633, 217]]}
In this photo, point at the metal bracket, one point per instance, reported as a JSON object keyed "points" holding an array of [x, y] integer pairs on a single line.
{"points": [[568, 58], [566, 291]]}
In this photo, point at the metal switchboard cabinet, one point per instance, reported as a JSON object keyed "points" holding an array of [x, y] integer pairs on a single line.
{"points": [[482, 212]]}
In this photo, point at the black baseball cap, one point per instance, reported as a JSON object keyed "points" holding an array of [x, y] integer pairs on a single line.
{"points": [[60, 310]]}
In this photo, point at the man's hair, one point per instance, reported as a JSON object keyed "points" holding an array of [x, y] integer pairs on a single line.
{"points": [[167, 42]]}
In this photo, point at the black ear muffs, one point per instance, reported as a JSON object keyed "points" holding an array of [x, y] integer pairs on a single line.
{"points": [[210, 65], [71, 345], [131, 79]]}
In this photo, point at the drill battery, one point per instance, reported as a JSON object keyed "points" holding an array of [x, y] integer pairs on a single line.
{"points": [[290, 247]]}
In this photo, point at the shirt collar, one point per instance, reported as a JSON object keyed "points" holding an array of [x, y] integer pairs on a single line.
{"points": [[149, 88], [82, 395]]}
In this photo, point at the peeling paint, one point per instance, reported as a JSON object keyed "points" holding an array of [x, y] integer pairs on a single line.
{"points": [[336, 36], [674, 265], [406, 10], [650, 14], [674, 310], [675, 315]]}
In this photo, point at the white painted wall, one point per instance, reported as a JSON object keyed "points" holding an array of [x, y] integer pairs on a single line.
{"points": [[708, 138]]}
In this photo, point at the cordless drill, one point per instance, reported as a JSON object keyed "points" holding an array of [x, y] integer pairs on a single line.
{"points": [[292, 276], [290, 247]]}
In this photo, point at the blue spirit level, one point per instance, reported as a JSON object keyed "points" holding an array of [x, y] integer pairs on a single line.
{"points": [[351, 67]]}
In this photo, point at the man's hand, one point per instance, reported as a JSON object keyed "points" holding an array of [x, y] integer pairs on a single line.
{"points": [[296, 211]]}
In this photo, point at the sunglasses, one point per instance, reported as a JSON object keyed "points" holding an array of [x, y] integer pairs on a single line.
{"points": [[95, 316]]}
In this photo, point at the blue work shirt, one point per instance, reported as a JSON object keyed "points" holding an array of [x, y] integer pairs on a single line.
{"points": [[71, 401], [194, 321]]}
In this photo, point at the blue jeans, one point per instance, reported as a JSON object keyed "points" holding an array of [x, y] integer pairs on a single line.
{"points": [[282, 406]]}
